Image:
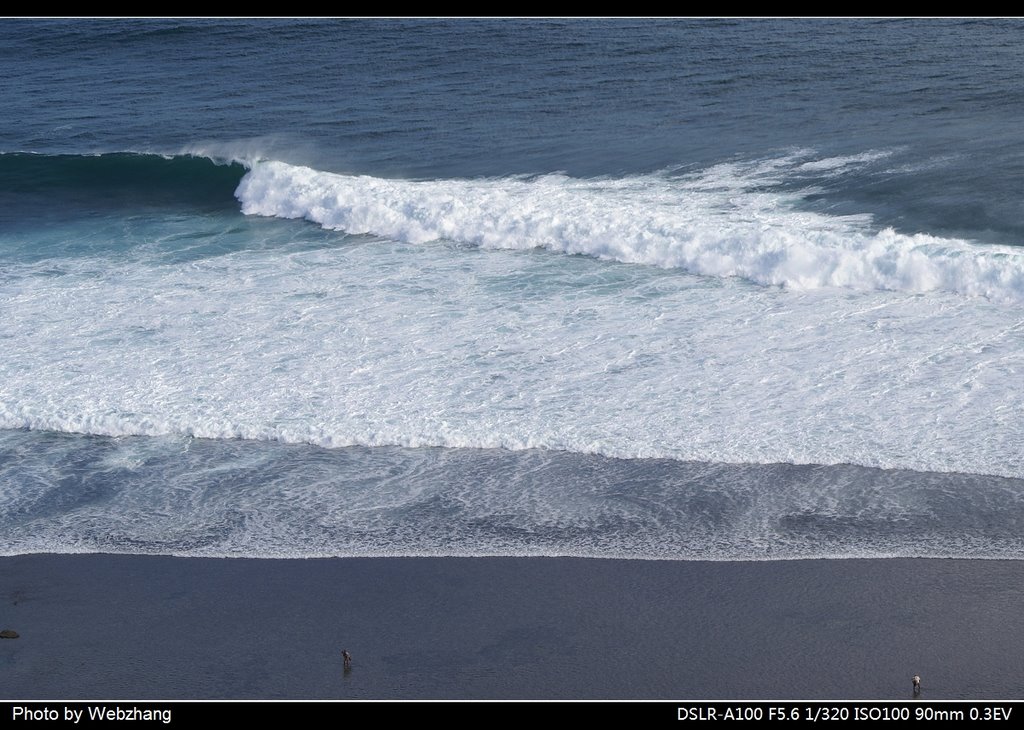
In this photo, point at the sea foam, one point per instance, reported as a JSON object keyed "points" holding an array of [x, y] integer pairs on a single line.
{"points": [[721, 222]]}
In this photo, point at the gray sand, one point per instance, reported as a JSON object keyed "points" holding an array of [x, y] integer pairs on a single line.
{"points": [[146, 627]]}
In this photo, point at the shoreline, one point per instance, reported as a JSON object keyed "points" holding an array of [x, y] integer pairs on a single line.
{"points": [[95, 626]]}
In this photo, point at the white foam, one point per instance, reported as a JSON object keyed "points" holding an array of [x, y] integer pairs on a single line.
{"points": [[220, 498], [381, 343], [844, 163], [718, 223]]}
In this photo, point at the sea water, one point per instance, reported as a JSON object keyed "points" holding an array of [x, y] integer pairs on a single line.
{"points": [[665, 289]]}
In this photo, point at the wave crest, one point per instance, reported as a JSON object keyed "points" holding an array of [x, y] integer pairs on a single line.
{"points": [[717, 223]]}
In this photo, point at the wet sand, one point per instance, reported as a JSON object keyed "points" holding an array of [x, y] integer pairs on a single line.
{"points": [[153, 627]]}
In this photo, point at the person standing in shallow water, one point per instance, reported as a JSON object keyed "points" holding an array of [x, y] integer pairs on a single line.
{"points": [[915, 679], [346, 659]]}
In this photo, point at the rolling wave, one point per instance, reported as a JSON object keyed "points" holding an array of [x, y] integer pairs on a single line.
{"points": [[120, 179], [729, 220], [721, 222]]}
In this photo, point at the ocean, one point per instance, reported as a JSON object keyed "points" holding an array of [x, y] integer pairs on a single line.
{"points": [[659, 289]]}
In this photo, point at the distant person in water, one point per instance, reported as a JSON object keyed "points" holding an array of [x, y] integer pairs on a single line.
{"points": [[347, 659], [917, 684]]}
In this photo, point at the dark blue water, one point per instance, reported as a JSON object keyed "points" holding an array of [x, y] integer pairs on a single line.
{"points": [[455, 98], [587, 287]]}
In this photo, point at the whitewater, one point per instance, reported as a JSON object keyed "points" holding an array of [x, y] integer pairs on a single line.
{"points": [[708, 319]]}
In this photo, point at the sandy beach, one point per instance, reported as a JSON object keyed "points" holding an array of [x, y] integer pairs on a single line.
{"points": [[151, 627]]}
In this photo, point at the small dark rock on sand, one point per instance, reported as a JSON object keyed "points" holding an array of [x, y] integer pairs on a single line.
{"points": [[8, 634]]}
